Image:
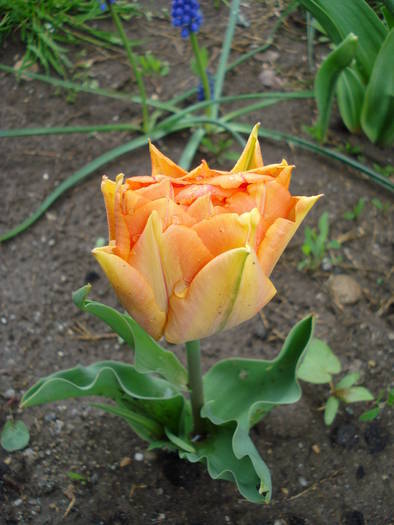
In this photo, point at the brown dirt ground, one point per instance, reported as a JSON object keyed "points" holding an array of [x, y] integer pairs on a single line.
{"points": [[350, 481]]}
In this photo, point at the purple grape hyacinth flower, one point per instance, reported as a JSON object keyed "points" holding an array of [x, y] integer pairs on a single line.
{"points": [[187, 16], [105, 3]]}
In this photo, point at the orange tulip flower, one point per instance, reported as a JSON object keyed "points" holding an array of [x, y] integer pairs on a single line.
{"points": [[190, 253]]}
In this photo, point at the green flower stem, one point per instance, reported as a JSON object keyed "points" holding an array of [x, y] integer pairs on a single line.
{"points": [[134, 67], [201, 69], [195, 384]]}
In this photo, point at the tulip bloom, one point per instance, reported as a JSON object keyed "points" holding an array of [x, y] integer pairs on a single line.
{"points": [[190, 253]]}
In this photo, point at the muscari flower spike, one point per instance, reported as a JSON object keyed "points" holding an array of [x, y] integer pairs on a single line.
{"points": [[186, 15], [105, 3]]}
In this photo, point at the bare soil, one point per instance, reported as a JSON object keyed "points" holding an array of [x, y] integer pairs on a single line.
{"points": [[321, 476]]}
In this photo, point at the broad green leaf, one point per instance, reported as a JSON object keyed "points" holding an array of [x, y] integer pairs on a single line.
{"points": [[251, 477], [150, 396], [377, 117], [319, 363], [348, 380], [149, 355], [331, 410], [355, 394], [350, 98], [145, 427], [254, 386], [14, 436], [326, 80], [339, 18]]}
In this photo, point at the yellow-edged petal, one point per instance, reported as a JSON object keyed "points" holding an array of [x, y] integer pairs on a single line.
{"points": [[162, 165], [108, 188], [145, 258], [281, 231], [251, 156], [229, 290], [133, 291]]}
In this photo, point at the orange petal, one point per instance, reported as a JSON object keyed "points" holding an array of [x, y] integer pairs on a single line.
{"points": [[168, 210], [162, 165], [240, 202], [145, 258], [157, 190], [251, 156], [133, 291], [140, 181], [284, 176], [281, 231], [229, 290], [183, 255], [122, 236], [201, 208], [108, 188], [222, 232]]}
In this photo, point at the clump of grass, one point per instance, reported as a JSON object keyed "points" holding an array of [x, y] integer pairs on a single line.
{"points": [[47, 27]]}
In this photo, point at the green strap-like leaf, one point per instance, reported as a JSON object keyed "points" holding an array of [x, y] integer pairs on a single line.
{"points": [[341, 17], [350, 98], [252, 478], [149, 356], [326, 79], [150, 396], [377, 117]]}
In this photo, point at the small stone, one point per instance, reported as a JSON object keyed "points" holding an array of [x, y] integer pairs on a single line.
{"points": [[45, 176], [30, 456], [344, 289], [9, 394], [138, 456], [285, 491], [280, 522], [3, 320], [316, 448], [371, 363], [50, 416], [124, 462], [302, 481], [17, 502], [268, 78]]}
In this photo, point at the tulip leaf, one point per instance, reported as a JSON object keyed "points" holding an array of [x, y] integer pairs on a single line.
{"points": [[150, 397], [150, 357], [255, 386], [350, 97], [326, 80], [145, 427], [377, 117], [251, 477], [319, 363], [339, 18]]}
